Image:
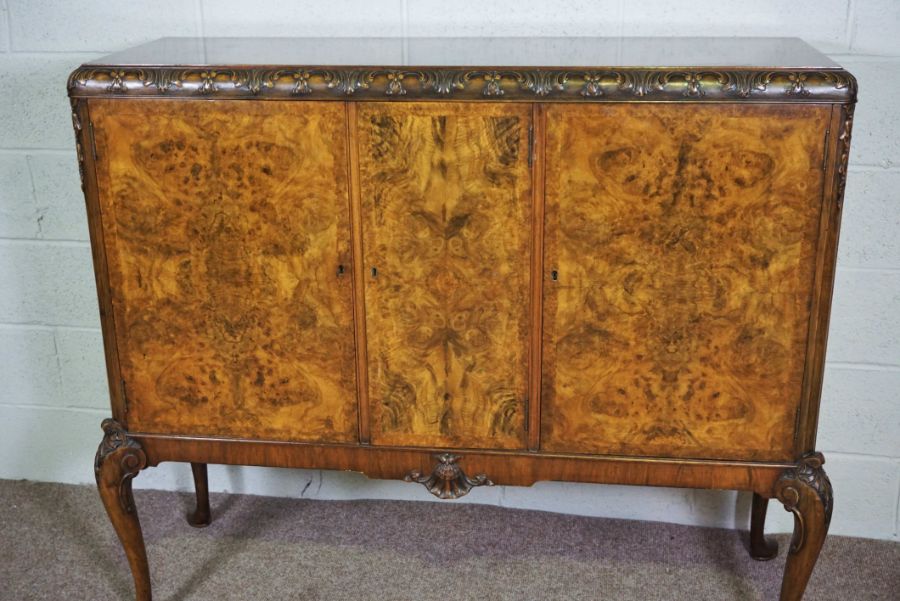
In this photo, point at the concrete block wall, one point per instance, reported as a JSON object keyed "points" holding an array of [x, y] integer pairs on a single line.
{"points": [[52, 385]]}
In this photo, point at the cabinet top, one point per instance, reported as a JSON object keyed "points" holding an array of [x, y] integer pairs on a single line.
{"points": [[585, 52], [574, 68]]}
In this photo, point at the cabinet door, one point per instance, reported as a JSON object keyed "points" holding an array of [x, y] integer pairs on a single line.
{"points": [[683, 238], [225, 224], [446, 207]]}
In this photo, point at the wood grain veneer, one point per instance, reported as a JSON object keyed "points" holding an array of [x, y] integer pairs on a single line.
{"points": [[468, 273], [226, 225], [684, 242], [446, 200]]}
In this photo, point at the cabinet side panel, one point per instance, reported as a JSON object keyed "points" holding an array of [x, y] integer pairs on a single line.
{"points": [[85, 152], [446, 204], [225, 224], [838, 154], [684, 239]]}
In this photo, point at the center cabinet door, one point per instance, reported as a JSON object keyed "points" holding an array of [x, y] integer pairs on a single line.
{"points": [[446, 202]]}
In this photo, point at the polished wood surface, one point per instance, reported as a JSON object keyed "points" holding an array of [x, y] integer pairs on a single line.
{"points": [[761, 548], [446, 204], [535, 356], [837, 158], [504, 468], [566, 51], [359, 285], [88, 174], [201, 517], [462, 273], [227, 236], [118, 460], [806, 492], [680, 247]]}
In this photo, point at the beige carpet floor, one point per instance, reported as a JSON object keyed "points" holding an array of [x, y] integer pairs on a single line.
{"points": [[56, 543]]}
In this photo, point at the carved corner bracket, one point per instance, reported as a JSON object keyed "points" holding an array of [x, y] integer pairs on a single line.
{"points": [[130, 457], [806, 478], [447, 480]]}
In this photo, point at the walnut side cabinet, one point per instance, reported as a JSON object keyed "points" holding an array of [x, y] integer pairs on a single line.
{"points": [[468, 262]]}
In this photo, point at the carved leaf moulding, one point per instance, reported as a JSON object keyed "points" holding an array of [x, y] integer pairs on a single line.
{"points": [[600, 84], [76, 125], [807, 473], [447, 480], [844, 157]]}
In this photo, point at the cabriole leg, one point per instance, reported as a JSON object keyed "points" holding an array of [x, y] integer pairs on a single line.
{"points": [[201, 516], [761, 548], [806, 492], [119, 459]]}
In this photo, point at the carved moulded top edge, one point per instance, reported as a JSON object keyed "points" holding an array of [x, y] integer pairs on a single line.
{"points": [[600, 84]]}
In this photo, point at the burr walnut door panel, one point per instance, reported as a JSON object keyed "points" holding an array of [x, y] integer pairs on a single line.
{"points": [[446, 206], [226, 224], [683, 239]]}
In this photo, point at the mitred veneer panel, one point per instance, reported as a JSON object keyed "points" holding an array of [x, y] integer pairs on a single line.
{"points": [[226, 226], [683, 241]]}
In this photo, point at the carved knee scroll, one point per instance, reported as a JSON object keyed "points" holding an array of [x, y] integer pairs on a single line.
{"points": [[117, 446], [807, 478], [806, 492], [119, 459]]}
